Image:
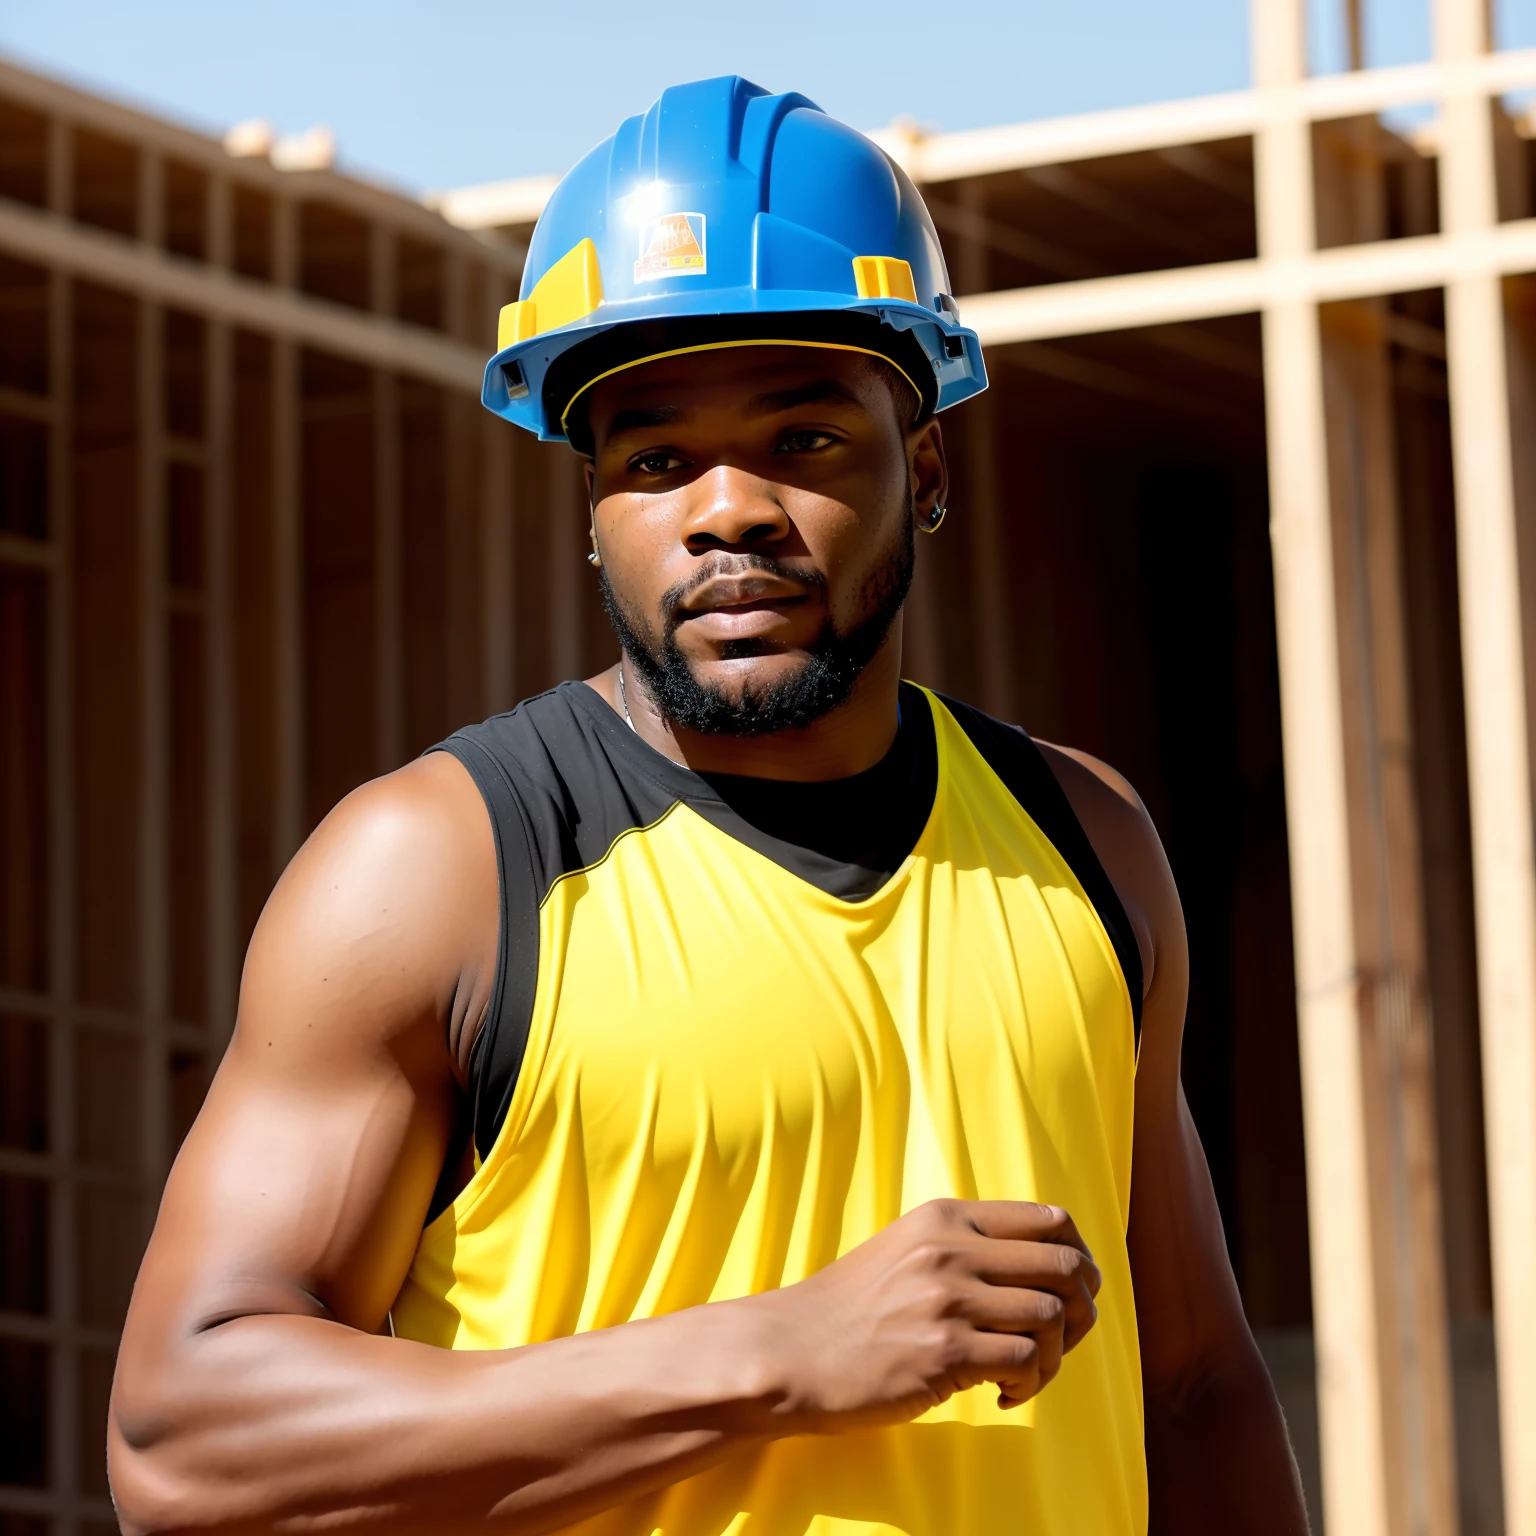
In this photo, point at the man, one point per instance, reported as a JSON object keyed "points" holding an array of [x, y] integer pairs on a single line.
{"points": [[739, 1092]]}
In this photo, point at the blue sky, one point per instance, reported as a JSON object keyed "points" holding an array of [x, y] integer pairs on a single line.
{"points": [[459, 91]]}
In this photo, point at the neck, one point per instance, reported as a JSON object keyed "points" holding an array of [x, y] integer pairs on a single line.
{"points": [[844, 741]]}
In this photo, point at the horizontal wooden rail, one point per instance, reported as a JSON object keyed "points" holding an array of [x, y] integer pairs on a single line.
{"points": [[151, 274]]}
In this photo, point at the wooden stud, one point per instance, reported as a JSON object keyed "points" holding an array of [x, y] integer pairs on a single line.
{"points": [[220, 758], [388, 656], [100, 257], [462, 471], [1498, 748], [151, 213], [498, 488], [1396, 1047], [63, 1262], [154, 732], [388, 680], [1356, 1477], [983, 510], [287, 565]]}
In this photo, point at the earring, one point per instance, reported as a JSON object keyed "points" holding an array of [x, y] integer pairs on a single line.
{"points": [[930, 524], [594, 559]]}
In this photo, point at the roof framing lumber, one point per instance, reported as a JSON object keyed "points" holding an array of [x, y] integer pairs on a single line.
{"points": [[1242, 287], [153, 275]]}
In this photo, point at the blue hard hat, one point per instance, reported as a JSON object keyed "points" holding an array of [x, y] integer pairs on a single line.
{"points": [[724, 217]]}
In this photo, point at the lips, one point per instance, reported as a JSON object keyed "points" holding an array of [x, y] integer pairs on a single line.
{"points": [[741, 606], [755, 589]]}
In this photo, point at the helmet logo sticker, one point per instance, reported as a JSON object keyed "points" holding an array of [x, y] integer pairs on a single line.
{"points": [[671, 246]]}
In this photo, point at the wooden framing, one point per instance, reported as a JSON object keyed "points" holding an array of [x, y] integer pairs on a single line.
{"points": [[1389, 1463], [1498, 745], [1344, 1312], [990, 616], [498, 572]]}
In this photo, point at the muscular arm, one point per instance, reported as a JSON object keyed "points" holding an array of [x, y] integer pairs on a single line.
{"points": [[256, 1389], [1218, 1458]]}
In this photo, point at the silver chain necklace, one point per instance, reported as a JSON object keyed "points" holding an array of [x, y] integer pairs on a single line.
{"points": [[624, 701]]}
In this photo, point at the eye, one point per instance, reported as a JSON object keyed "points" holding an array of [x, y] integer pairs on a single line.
{"points": [[806, 440], [655, 461]]}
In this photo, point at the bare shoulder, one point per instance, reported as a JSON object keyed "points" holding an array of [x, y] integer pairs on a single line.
{"points": [[1126, 841], [387, 915]]}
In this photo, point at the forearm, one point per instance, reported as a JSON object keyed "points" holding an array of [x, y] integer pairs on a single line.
{"points": [[276, 1419], [1218, 1456]]}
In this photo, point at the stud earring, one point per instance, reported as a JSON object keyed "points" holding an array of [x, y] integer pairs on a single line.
{"points": [[930, 524]]}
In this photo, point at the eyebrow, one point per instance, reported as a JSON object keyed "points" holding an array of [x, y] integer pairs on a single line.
{"points": [[641, 418], [805, 394]]}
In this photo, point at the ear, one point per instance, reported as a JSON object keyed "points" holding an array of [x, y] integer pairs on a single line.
{"points": [[589, 477], [928, 469]]}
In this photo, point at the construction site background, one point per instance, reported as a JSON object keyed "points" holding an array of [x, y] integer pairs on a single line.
{"points": [[1247, 513]]}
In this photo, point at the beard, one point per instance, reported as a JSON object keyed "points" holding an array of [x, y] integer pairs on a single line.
{"points": [[792, 701]]}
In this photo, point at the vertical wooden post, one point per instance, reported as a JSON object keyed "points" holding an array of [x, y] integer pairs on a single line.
{"points": [[498, 545], [154, 733], [1356, 1497], [388, 659], [221, 765], [63, 1253], [462, 526], [1396, 1044], [1498, 751], [287, 562], [994, 675]]}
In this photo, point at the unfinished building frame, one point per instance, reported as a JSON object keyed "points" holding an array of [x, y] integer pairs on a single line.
{"points": [[257, 543]]}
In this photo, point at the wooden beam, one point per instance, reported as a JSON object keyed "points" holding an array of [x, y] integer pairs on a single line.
{"points": [[498, 490], [388, 654], [498, 508], [1345, 1323], [1498, 750], [221, 765], [1217, 289], [67, 105], [1397, 1079], [1169, 125], [154, 755], [276, 310], [287, 568], [63, 918], [983, 509]]}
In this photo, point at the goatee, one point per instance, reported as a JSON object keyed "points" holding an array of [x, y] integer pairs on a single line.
{"points": [[791, 701]]}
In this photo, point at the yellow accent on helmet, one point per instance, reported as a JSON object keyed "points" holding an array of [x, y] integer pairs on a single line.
{"points": [[569, 290], [884, 277]]}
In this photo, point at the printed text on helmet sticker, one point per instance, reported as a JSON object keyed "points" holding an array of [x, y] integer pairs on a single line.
{"points": [[671, 246]]}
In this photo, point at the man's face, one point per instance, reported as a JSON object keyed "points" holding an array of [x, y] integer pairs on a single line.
{"points": [[753, 507]]}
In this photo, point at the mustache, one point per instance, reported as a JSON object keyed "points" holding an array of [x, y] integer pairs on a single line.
{"points": [[678, 593]]}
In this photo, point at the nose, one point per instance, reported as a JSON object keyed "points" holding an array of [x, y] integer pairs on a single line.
{"points": [[731, 510]]}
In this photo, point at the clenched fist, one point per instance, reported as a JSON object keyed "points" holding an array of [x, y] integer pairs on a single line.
{"points": [[953, 1294]]}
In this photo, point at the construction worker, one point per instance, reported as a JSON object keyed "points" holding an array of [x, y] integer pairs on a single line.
{"points": [[740, 1091]]}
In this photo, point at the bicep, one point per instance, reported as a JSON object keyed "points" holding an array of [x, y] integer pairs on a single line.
{"points": [[303, 1185]]}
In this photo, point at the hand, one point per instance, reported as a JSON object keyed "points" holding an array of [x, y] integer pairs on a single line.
{"points": [[953, 1294]]}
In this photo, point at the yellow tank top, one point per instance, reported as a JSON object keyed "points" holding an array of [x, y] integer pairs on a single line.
{"points": [[723, 1075]]}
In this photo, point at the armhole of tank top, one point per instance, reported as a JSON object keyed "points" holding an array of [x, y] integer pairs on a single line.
{"points": [[1011, 753], [496, 1058]]}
